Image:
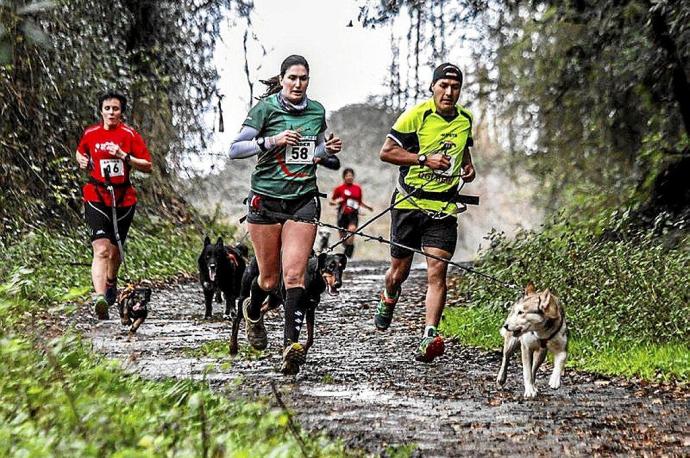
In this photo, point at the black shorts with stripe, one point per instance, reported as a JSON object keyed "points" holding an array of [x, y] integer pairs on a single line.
{"points": [[416, 229], [99, 218]]}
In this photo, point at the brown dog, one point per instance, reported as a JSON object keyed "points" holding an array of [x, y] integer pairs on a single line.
{"points": [[133, 305], [537, 323]]}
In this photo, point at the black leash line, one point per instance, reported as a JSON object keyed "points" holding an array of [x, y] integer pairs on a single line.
{"points": [[374, 218], [446, 147], [111, 190], [380, 239]]}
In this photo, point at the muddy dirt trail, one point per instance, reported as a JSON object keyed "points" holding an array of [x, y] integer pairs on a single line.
{"points": [[364, 386]]}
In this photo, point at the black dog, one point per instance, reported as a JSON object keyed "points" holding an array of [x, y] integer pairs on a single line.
{"points": [[324, 273], [220, 271], [133, 304]]}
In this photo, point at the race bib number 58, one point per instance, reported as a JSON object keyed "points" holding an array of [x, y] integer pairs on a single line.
{"points": [[301, 153], [112, 168]]}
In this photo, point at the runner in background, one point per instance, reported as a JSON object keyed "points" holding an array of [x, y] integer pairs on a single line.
{"points": [[348, 198]]}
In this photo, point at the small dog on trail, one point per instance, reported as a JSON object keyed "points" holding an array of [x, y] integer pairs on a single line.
{"points": [[537, 323], [324, 273], [220, 271], [133, 305]]}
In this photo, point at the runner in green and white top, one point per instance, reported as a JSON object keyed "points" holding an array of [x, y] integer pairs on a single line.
{"points": [[286, 172], [430, 142], [287, 131]]}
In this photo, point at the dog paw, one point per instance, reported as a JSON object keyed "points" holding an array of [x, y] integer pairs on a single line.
{"points": [[500, 381], [530, 392], [555, 382]]}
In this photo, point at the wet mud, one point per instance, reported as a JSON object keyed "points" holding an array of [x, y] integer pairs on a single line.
{"points": [[363, 385]]}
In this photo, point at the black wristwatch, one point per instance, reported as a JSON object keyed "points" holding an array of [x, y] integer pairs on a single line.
{"points": [[127, 158], [421, 160], [261, 141]]}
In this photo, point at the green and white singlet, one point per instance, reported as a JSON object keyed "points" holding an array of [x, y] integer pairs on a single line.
{"points": [[422, 130], [286, 172]]}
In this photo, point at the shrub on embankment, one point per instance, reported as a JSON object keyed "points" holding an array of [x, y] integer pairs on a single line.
{"points": [[59, 398], [627, 301]]}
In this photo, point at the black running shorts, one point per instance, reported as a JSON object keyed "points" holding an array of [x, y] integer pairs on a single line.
{"points": [[416, 229], [345, 220], [99, 218], [259, 208]]}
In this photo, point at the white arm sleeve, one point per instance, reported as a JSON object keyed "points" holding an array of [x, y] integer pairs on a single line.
{"points": [[320, 150], [244, 144]]}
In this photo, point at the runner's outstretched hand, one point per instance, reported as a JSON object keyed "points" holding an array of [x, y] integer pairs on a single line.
{"points": [[333, 144]]}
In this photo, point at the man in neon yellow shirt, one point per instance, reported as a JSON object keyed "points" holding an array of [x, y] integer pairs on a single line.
{"points": [[430, 142]]}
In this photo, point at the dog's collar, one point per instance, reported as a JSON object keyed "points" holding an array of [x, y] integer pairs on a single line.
{"points": [[543, 342]]}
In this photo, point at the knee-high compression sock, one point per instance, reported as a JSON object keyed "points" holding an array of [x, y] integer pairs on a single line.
{"points": [[294, 314], [257, 295], [349, 249]]}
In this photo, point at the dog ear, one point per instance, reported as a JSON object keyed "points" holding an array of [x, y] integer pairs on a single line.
{"points": [[545, 300], [343, 260], [530, 289], [207, 241], [219, 242]]}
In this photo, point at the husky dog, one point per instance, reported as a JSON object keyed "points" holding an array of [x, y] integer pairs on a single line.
{"points": [[536, 323]]}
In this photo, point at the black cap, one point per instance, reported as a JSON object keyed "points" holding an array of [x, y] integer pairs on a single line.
{"points": [[447, 71]]}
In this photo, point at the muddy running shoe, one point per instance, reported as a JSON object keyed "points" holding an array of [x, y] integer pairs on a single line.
{"points": [[429, 348], [384, 311], [255, 329], [294, 356], [101, 306], [111, 292]]}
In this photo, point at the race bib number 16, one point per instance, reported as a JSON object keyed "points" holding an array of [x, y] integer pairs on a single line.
{"points": [[112, 167], [302, 153]]}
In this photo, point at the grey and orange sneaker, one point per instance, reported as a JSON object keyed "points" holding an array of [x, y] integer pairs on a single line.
{"points": [[430, 348], [101, 306], [294, 356], [255, 329], [384, 311]]}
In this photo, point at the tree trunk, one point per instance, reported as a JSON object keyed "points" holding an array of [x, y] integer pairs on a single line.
{"points": [[681, 88]]}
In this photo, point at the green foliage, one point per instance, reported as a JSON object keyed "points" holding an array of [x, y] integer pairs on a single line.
{"points": [[46, 268], [619, 296], [158, 53], [61, 400], [58, 398]]}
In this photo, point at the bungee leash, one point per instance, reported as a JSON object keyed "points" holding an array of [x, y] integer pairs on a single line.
{"points": [[374, 218], [113, 207], [381, 239]]}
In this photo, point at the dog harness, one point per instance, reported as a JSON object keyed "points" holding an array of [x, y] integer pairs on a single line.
{"points": [[543, 342]]}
